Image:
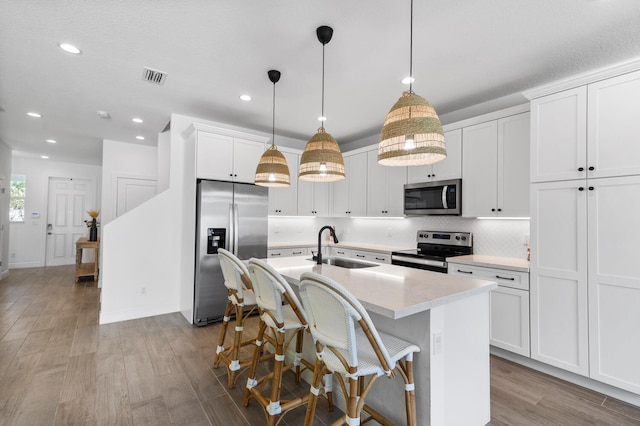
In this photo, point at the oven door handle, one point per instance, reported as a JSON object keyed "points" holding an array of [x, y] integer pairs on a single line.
{"points": [[444, 197], [419, 261]]}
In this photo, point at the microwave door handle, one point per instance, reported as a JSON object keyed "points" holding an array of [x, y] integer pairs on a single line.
{"points": [[444, 196]]}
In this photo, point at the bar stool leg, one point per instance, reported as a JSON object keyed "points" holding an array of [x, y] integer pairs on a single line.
{"points": [[273, 409], [223, 333], [318, 372], [251, 381], [234, 366]]}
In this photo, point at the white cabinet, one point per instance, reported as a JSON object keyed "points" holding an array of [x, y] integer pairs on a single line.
{"points": [[349, 194], [227, 158], [341, 252], [313, 198], [288, 251], [614, 281], [385, 189], [509, 309], [284, 201], [587, 132], [449, 168], [495, 168], [559, 315], [372, 256]]}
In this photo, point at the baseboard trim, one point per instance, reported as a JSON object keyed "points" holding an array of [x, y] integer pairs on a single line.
{"points": [[117, 316], [24, 265], [586, 382]]}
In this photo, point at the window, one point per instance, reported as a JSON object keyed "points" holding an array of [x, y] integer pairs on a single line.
{"points": [[16, 203]]}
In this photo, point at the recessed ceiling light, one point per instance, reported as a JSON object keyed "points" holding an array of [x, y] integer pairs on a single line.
{"points": [[137, 120], [51, 141], [103, 114], [408, 80], [70, 48], [44, 156], [34, 114], [322, 118], [245, 97], [141, 138]]}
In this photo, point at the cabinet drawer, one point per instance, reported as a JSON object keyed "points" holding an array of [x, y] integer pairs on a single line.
{"points": [[503, 277], [372, 256], [341, 252], [288, 252]]}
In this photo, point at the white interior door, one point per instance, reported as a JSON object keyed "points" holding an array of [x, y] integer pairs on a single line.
{"points": [[2, 196], [69, 201], [132, 192]]}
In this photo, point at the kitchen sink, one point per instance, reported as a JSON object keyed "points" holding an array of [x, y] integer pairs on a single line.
{"points": [[346, 263]]}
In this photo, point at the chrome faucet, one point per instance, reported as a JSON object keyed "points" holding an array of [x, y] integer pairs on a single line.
{"points": [[335, 241]]}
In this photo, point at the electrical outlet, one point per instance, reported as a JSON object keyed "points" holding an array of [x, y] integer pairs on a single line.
{"points": [[437, 343]]}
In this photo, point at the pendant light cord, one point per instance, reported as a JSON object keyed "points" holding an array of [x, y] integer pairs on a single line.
{"points": [[322, 113], [411, 51], [273, 120]]}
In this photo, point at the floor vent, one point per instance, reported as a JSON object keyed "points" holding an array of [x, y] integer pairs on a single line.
{"points": [[154, 76]]}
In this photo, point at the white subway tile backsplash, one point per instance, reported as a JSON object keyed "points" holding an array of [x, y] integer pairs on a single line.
{"points": [[498, 237]]}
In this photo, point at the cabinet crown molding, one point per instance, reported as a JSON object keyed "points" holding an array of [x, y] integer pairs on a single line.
{"points": [[224, 132], [583, 79]]}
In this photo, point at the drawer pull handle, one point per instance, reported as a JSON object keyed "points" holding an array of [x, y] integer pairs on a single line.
{"points": [[276, 254], [505, 278], [359, 255], [465, 272], [297, 252], [380, 258]]}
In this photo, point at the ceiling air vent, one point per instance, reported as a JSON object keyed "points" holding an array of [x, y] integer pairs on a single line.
{"points": [[154, 76]]}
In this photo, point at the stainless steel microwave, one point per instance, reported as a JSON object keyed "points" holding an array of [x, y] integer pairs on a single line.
{"points": [[433, 198]]}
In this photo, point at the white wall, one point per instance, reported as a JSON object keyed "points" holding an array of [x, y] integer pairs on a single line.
{"points": [[491, 237], [27, 240], [122, 159], [5, 179]]}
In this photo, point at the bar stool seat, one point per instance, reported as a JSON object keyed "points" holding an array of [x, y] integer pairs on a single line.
{"points": [[280, 312], [242, 302], [348, 345]]}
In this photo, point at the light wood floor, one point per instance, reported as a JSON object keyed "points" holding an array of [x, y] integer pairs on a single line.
{"points": [[58, 367]]}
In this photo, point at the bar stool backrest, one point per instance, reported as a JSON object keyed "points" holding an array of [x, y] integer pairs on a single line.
{"points": [[334, 315], [236, 274], [271, 289]]}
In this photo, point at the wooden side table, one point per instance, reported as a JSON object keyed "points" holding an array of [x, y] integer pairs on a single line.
{"points": [[87, 269]]}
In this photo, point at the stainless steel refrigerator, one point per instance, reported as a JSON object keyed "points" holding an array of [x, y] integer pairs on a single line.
{"points": [[232, 216]]}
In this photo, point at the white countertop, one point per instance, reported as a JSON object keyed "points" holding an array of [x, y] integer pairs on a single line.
{"points": [[389, 290], [508, 263], [346, 245]]}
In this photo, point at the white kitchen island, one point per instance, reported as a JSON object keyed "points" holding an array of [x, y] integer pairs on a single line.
{"points": [[447, 316]]}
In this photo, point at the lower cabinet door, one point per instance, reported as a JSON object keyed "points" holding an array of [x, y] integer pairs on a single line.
{"points": [[510, 320]]}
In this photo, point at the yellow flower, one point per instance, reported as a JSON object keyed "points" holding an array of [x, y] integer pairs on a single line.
{"points": [[94, 213]]}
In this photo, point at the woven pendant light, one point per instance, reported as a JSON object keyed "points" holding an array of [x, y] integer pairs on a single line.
{"points": [[272, 168], [322, 160], [412, 134]]}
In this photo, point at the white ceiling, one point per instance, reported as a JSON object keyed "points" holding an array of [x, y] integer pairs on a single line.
{"points": [[466, 53]]}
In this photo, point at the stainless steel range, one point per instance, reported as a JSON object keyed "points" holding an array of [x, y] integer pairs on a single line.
{"points": [[433, 249]]}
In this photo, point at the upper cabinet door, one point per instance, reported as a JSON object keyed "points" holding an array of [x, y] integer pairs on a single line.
{"points": [[246, 155], [559, 136], [214, 156], [480, 170], [513, 165], [284, 201], [449, 168], [614, 127]]}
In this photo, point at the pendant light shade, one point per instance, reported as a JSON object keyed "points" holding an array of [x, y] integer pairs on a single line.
{"points": [[272, 168], [412, 134], [322, 160]]}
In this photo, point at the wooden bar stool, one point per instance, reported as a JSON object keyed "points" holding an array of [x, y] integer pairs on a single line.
{"points": [[241, 298], [349, 346], [280, 312]]}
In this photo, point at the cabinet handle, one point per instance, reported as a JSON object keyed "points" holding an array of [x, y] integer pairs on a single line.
{"points": [[592, 168], [581, 169], [499, 210], [380, 258], [276, 254], [493, 210], [591, 188], [465, 272], [297, 252], [580, 188], [359, 255], [505, 278], [428, 175]]}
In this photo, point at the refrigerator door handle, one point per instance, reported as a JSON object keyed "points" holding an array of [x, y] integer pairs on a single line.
{"points": [[232, 229], [235, 230]]}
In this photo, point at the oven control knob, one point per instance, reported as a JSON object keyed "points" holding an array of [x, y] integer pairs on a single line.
{"points": [[458, 237], [464, 238]]}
